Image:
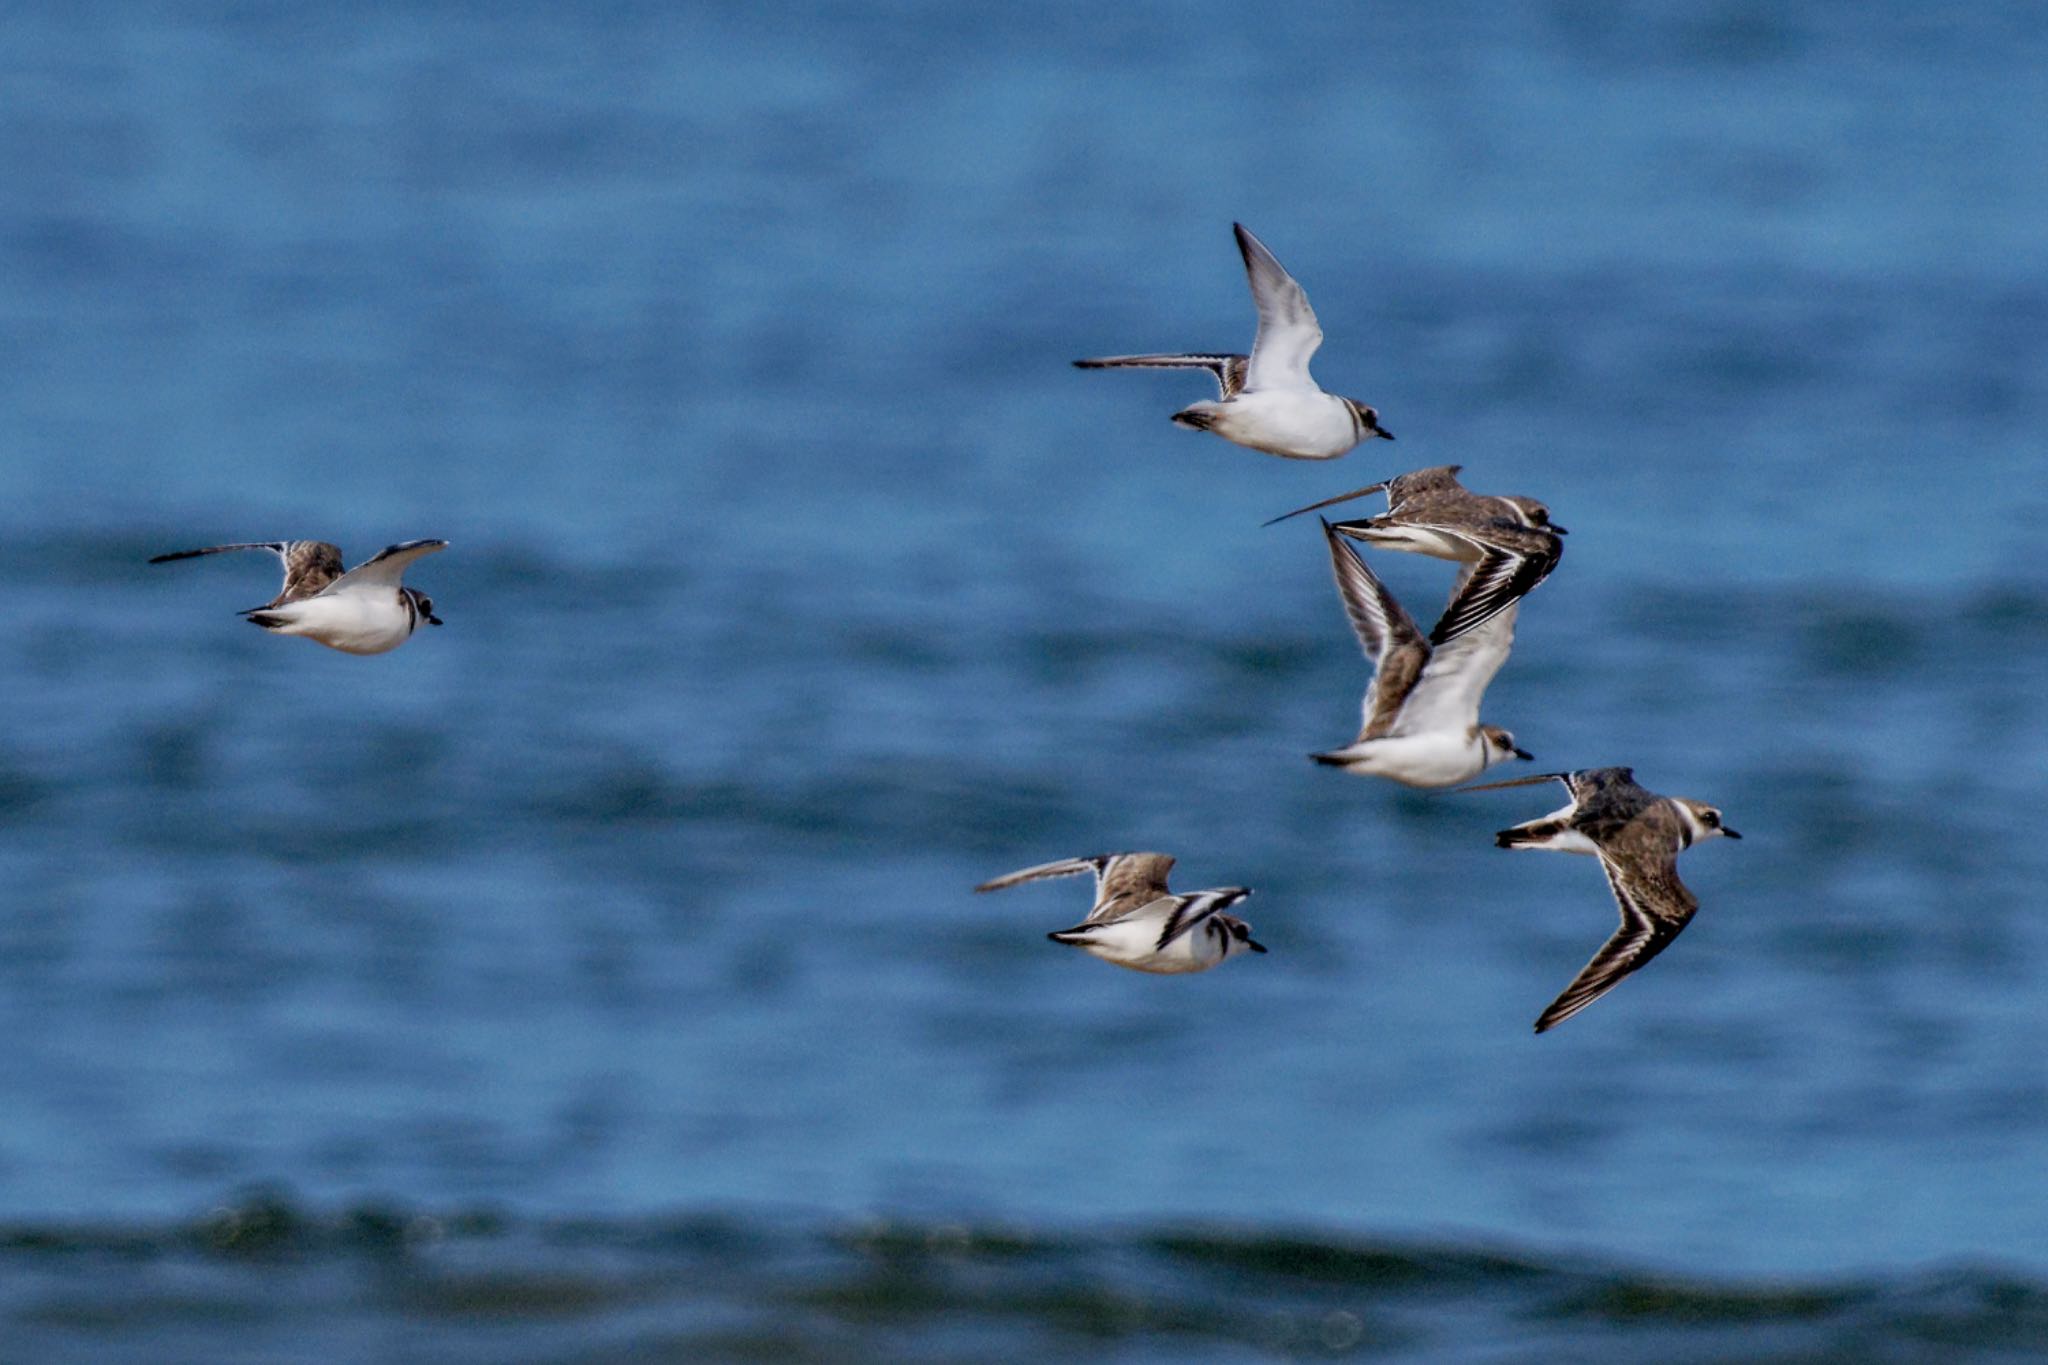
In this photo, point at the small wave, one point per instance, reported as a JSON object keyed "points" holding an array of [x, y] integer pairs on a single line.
{"points": [[265, 1272]]}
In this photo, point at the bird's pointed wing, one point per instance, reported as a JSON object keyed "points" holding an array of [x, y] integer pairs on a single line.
{"points": [[1064, 867], [1229, 370], [1385, 631], [1377, 618], [1327, 502], [1501, 578], [1655, 906], [1535, 780], [1288, 333], [1447, 695], [385, 568], [1123, 881], [309, 565]]}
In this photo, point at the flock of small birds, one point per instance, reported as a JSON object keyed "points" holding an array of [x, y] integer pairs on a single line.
{"points": [[1421, 724]]}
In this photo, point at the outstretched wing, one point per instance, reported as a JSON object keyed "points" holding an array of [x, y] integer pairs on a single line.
{"points": [[309, 565], [1229, 370], [1503, 576], [1065, 867], [1534, 780], [1385, 631], [1447, 695], [1655, 906], [385, 568], [1288, 332], [1327, 502], [1123, 881]]}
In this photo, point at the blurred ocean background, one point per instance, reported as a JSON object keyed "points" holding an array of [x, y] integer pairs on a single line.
{"points": [[597, 978]]}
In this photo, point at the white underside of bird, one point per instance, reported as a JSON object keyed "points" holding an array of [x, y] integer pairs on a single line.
{"points": [[354, 622], [1298, 423], [1267, 400], [1133, 941], [1440, 758]]}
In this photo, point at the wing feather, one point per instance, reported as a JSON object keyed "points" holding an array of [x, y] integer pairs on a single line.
{"points": [[309, 565], [1655, 907], [1447, 695], [1501, 578], [1227, 369], [1288, 332], [1064, 867], [1385, 631], [385, 568]]}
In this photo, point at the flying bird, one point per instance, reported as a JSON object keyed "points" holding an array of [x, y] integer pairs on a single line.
{"points": [[1137, 923], [1507, 544], [1637, 835], [365, 610], [1420, 725], [1268, 401]]}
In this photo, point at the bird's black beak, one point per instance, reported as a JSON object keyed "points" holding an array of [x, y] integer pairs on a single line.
{"points": [[433, 620], [1728, 833], [1383, 433], [1559, 529], [1525, 756], [1255, 945]]}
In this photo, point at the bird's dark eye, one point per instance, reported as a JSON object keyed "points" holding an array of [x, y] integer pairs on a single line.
{"points": [[1712, 820]]}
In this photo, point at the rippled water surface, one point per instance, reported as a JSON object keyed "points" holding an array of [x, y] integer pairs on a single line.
{"points": [[597, 977]]}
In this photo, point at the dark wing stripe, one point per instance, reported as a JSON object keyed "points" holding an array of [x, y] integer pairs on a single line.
{"points": [[1377, 618], [1536, 780], [1065, 867], [309, 565], [276, 547], [1641, 937], [1498, 581], [1229, 369], [1628, 949], [1329, 502], [389, 550], [1193, 910], [1172, 928]]}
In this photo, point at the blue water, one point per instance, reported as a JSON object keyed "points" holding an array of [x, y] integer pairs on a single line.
{"points": [[798, 584]]}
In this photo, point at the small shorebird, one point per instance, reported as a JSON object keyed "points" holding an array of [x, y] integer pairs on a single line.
{"points": [[1137, 923], [1507, 544], [1421, 714], [363, 611], [1268, 400], [1637, 835]]}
